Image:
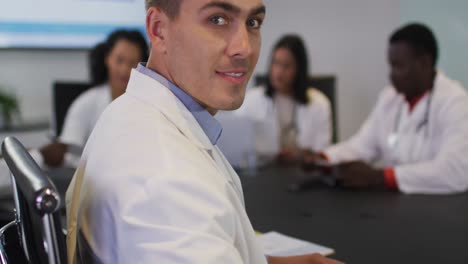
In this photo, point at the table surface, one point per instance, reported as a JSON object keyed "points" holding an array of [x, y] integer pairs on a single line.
{"points": [[362, 226]]}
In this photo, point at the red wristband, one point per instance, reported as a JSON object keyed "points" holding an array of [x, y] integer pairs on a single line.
{"points": [[390, 178]]}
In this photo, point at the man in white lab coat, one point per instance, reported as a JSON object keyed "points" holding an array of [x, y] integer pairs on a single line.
{"points": [[152, 186], [418, 130]]}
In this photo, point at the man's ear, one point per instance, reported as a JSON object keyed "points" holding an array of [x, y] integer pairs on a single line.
{"points": [[156, 23]]}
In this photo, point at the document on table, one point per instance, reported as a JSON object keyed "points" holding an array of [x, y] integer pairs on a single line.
{"points": [[277, 244]]}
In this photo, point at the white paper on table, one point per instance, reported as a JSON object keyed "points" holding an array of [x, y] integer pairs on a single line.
{"points": [[277, 244]]}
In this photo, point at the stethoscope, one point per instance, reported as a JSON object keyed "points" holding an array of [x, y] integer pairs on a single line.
{"points": [[292, 127], [393, 138]]}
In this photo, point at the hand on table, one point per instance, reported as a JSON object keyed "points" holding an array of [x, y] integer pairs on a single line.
{"points": [[315, 161], [358, 174], [54, 153], [289, 155]]}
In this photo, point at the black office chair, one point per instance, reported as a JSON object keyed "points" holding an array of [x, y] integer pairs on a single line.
{"points": [[37, 205], [63, 94], [325, 84]]}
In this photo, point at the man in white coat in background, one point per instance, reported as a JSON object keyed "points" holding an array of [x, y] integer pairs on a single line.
{"points": [[418, 130], [152, 186]]}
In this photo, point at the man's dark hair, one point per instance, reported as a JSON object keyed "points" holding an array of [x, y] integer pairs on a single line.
{"points": [[297, 48], [419, 37], [98, 55], [170, 7]]}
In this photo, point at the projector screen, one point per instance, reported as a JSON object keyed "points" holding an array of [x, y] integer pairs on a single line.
{"points": [[73, 24]]}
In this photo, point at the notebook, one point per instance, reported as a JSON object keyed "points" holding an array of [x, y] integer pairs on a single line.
{"points": [[277, 244]]}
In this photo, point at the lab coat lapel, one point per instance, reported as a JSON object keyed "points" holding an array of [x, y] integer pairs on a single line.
{"points": [[410, 120], [212, 153], [152, 92], [415, 131], [160, 97]]}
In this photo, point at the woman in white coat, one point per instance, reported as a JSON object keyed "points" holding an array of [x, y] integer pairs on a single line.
{"points": [[110, 64], [289, 116]]}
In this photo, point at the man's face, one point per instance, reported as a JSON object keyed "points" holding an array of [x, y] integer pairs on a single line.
{"points": [[405, 68], [212, 48]]}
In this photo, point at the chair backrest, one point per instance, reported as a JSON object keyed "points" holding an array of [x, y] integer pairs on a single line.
{"points": [[64, 93], [37, 204], [327, 85]]}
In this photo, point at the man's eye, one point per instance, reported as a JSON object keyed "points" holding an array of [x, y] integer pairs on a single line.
{"points": [[254, 23], [218, 20]]}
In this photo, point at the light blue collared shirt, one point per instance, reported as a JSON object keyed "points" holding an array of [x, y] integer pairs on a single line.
{"points": [[207, 122]]}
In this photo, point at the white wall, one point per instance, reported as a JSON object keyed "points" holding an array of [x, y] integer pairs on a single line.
{"points": [[449, 22], [30, 74], [344, 38]]}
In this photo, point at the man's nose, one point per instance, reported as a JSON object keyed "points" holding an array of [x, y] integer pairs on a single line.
{"points": [[239, 45]]}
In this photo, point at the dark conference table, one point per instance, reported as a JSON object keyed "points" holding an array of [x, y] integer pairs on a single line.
{"points": [[364, 227]]}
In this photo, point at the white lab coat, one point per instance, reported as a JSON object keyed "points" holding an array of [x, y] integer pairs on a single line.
{"points": [[83, 115], [151, 188], [430, 159], [313, 121]]}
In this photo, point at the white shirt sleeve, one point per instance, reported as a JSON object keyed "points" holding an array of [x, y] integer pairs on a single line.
{"points": [[363, 145], [77, 121], [191, 224], [448, 171]]}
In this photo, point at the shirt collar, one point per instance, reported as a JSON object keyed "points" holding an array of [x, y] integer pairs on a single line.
{"points": [[207, 122], [413, 102]]}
